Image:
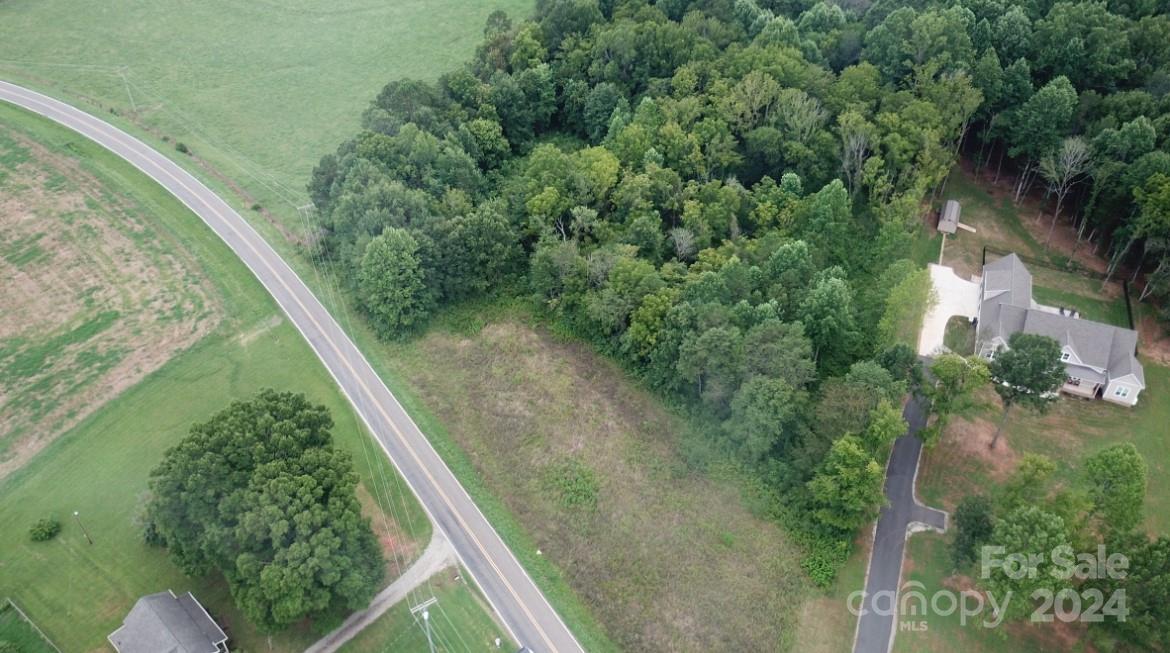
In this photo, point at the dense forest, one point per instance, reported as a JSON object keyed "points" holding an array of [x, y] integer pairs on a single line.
{"points": [[725, 196]]}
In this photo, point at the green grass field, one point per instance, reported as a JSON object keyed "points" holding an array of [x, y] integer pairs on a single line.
{"points": [[460, 621], [260, 90], [78, 593], [1091, 305], [15, 630], [664, 547]]}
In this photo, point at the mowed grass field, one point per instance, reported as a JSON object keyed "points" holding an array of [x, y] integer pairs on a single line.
{"points": [[259, 90], [78, 593]]}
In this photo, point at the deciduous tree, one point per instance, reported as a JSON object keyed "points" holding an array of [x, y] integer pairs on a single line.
{"points": [[392, 283], [848, 488], [259, 493], [1029, 373]]}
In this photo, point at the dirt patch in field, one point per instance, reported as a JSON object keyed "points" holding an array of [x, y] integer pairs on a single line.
{"points": [[1155, 341], [93, 298], [962, 463], [667, 558], [973, 440], [1054, 636], [398, 549]]}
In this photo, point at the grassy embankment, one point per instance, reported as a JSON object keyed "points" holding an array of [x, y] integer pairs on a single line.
{"points": [[460, 621], [78, 593]]}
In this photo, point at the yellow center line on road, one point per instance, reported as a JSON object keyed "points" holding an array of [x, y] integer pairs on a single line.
{"points": [[103, 127]]}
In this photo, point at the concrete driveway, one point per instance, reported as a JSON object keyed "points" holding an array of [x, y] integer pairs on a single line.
{"points": [[955, 297]]}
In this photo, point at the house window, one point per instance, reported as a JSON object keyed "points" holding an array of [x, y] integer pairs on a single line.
{"points": [[1121, 391], [1064, 356]]}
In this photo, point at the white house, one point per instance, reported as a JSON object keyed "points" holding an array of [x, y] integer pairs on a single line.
{"points": [[1100, 358]]}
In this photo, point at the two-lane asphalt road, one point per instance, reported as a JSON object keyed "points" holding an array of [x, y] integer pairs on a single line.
{"points": [[525, 612]]}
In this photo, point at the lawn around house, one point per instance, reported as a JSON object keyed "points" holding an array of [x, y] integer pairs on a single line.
{"points": [[78, 593], [961, 465], [927, 555], [959, 336]]}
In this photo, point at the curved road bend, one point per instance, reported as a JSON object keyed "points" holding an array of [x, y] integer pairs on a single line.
{"points": [[521, 606], [901, 516]]}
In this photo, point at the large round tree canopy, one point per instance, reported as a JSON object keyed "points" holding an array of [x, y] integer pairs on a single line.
{"points": [[258, 493]]}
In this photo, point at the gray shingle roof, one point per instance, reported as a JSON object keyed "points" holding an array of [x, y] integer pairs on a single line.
{"points": [[1007, 309], [1008, 275], [948, 220], [164, 623]]}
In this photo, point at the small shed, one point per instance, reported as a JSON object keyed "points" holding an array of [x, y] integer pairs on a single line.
{"points": [[165, 623], [948, 220]]}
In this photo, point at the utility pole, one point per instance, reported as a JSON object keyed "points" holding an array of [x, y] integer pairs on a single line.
{"points": [[426, 616], [77, 516]]}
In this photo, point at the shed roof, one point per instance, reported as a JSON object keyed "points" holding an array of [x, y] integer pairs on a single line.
{"points": [[948, 219]]}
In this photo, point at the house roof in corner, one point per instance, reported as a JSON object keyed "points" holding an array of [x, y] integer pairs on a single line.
{"points": [[1007, 308], [165, 623]]}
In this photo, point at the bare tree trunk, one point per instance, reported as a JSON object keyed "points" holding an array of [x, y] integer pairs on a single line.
{"points": [[1055, 215], [984, 140], [999, 166], [1026, 180], [943, 189], [1151, 280], [979, 161], [1138, 268], [999, 429], [1116, 260], [1080, 235]]}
